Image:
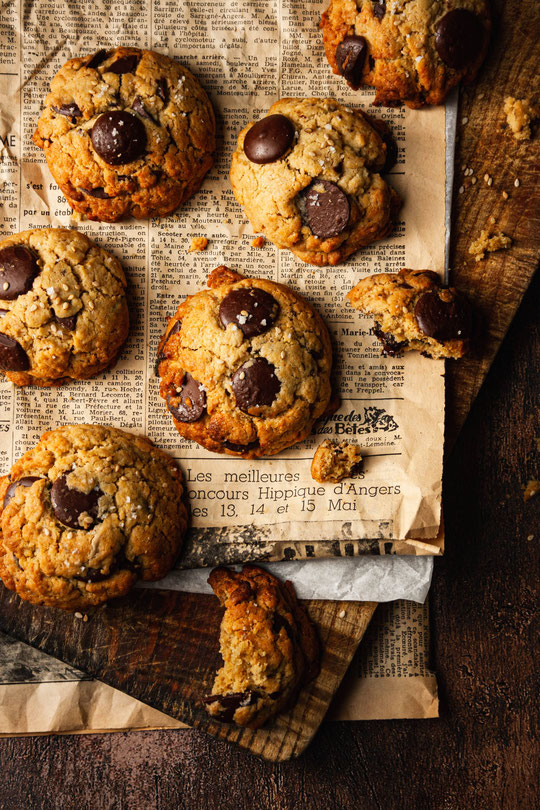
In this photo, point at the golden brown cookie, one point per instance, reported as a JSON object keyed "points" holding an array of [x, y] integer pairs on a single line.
{"points": [[411, 51], [268, 644], [413, 310], [334, 461], [63, 308], [126, 132], [245, 366], [308, 177], [86, 513]]}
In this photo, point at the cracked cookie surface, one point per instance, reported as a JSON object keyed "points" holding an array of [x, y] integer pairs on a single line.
{"points": [[323, 197], [413, 310], [63, 308], [126, 132], [86, 513], [268, 644], [411, 51], [245, 366]]}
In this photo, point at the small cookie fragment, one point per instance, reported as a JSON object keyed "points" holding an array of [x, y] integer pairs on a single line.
{"points": [[258, 242], [520, 114], [86, 513], [414, 311], [268, 644], [334, 461], [532, 489], [198, 243], [489, 244]]}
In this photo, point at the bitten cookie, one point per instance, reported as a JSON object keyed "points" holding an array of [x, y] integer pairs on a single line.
{"points": [[63, 307], [268, 644], [245, 366], [126, 132], [334, 461], [308, 178], [412, 51], [85, 514], [413, 310]]}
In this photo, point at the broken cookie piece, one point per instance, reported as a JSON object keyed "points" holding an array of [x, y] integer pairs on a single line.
{"points": [[488, 244], [414, 311], [520, 114], [268, 644], [334, 461]]}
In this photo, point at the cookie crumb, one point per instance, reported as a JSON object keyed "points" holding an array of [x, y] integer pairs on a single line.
{"points": [[488, 244], [198, 243], [520, 114], [258, 242], [505, 195], [334, 461], [532, 489], [85, 617]]}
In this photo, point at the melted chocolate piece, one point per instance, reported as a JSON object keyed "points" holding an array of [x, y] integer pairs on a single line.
{"points": [[119, 137], [278, 622], [70, 110], [68, 504], [350, 58], [161, 354], [140, 109], [27, 481], [251, 309], [391, 346], [443, 320], [162, 90], [459, 38], [98, 192], [97, 58], [12, 355], [255, 384], [326, 208], [18, 269], [379, 9], [188, 404], [230, 703], [269, 139], [125, 64], [240, 448], [68, 323]]}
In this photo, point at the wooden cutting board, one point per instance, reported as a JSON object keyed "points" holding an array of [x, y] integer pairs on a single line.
{"points": [[162, 647]]}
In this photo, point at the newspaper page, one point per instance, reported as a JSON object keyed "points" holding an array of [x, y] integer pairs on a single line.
{"points": [[389, 678], [247, 54]]}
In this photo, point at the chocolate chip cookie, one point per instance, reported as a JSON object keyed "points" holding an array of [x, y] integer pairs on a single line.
{"points": [[308, 176], [411, 51], [413, 310], [126, 132], [268, 644], [334, 461], [85, 514], [63, 310], [245, 366]]}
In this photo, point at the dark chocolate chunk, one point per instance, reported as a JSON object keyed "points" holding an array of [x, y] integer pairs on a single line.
{"points": [[68, 323], [70, 110], [12, 355], [278, 622], [18, 269], [140, 109], [255, 384], [379, 9], [27, 481], [161, 354], [188, 404], [391, 150], [253, 310], [240, 448], [326, 208], [162, 90], [119, 563], [443, 320], [125, 64], [350, 58], [230, 703], [68, 504], [269, 139], [459, 38], [391, 347], [119, 137], [97, 58], [98, 192]]}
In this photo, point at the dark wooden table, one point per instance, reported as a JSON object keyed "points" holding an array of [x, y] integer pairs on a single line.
{"points": [[479, 754]]}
